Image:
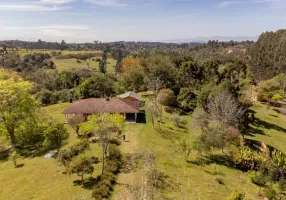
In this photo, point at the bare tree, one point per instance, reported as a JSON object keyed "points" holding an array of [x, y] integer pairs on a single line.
{"points": [[152, 109], [225, 109], [186, 148], [75, 122], [155, 85], [176, 119], [146, 186]]}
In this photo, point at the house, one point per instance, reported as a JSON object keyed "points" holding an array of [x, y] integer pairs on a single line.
{"points": [[87, 107], [132, 96]]}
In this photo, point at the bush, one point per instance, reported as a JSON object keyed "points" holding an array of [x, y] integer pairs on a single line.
{"points": [[103, 188], [65, 156], [270, 193], [115, 141], [219, 180], [257, 178], [237, 196], [187, 100]]}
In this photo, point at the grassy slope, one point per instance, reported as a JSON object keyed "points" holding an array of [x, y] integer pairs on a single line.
{"points": [[70, 64], [164, 143], [269, 128], [23, 52], [43, 179]]}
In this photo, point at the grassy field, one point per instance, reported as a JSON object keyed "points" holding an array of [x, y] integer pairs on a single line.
{"points": [[269, 127], [23, 52], [186, 178], [43, 179], [71, 64]]}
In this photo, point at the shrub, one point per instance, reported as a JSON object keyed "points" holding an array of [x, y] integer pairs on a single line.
{"points": [[245, 159], [14, 157], [219, 180], [65, 156], [115, 141], [103, 188], [187, 100], [257, 178], [176, 119], [237, 196], [270, 193]]}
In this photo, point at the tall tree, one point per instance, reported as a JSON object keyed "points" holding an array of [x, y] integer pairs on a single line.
{"points": [[105, 126], [17, 106], [103, 63], [55, 136], [165, 98]]}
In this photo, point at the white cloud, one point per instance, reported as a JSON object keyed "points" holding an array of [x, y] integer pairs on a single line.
{"points": [[273, 3], [108, 3], [57, 31], [52, 27], [226, 4], [186, 15], [29, 7], [55, 1]]}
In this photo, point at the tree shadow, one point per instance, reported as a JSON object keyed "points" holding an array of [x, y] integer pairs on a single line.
{"points": [[31, 151], [219, 159], [87, 183], [19, 166], [256, 145], [4, 155], [257, 125], [167, 134]]}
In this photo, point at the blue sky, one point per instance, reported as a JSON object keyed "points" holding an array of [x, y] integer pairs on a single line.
{"points": [[134, 20]]}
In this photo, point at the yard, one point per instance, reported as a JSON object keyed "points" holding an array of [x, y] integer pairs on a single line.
{"points": [[43, 179]]}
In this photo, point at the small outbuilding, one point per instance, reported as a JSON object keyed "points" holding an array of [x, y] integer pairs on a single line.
{"points": [[131, 96]]}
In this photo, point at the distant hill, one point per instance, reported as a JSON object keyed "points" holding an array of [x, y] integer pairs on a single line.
{"points": [[268, 55], [206, 39]]}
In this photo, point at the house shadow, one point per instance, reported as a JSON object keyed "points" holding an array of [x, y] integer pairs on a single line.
{"points": [[141, 117]]}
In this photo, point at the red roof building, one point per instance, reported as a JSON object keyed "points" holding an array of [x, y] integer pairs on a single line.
{"points": [[101, 105]]}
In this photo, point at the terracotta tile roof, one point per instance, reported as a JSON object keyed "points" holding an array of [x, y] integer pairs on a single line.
{"points": [[130, 94], [101, 105]]}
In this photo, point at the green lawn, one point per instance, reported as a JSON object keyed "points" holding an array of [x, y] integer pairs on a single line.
{"points": [[23, 52], [42, 179], [71, 64], [195, 182], [268, 127]]}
